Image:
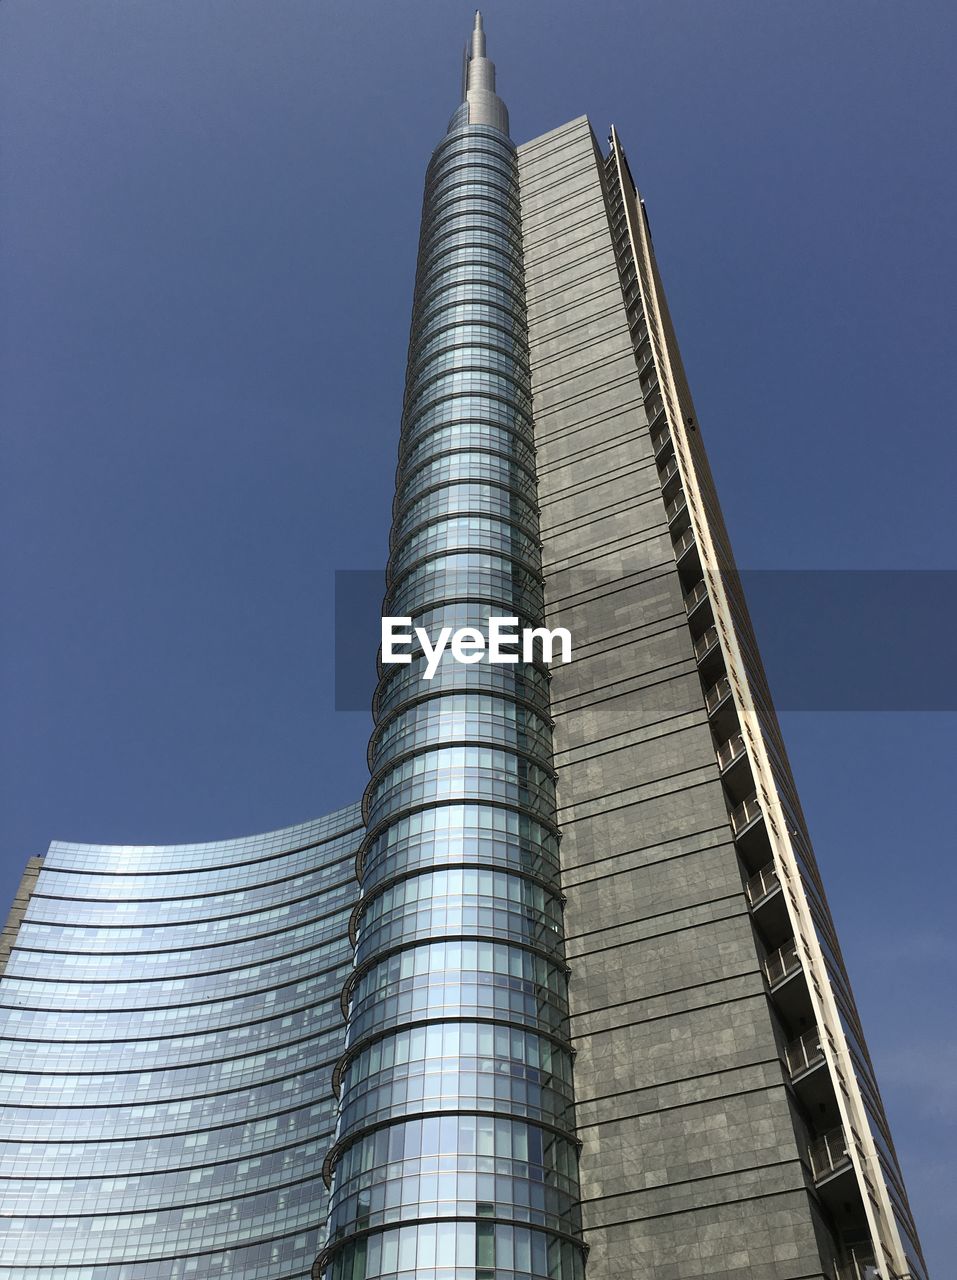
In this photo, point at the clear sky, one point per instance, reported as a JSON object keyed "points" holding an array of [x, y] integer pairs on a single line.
{"points": [[208, 220]]}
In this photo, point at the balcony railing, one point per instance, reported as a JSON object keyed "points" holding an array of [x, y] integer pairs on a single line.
{"points": [[762, 883], [782, 963], [683, 543], [674, 508], [828, 1153], [717, 694], [861, 1266], [697, 593], [705, 643], [730, 751], [668, 470], [804, 1052], [743, 814], [659, 440]]}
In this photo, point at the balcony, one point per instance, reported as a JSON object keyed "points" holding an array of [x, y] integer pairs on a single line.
{"points": [[769, 908], [746, 813], [810, 1079], [676, 508], [804, 1054], [719, 703], [706, 643], [829, 1154], [839, 1188], [684, 545], [788, 981], [731, 751], [708, 654], [660, 440], [752, 838], [697, 595], [716, 695], [860, 1265], [763, 883], [667, 471], [734, 764], [782, 964]]}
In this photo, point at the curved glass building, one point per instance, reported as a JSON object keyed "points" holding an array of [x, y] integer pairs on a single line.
{"points": [[456, 1150], [169, 1020]]}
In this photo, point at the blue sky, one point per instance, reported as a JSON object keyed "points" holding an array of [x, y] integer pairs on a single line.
{"points": [[209, 217]]}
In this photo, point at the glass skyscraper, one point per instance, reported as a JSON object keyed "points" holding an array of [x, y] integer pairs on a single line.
{"points": [[564, 995], [456, 1144]]}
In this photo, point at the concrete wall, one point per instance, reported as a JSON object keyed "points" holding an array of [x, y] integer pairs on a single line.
{"points": [[8, 935]]}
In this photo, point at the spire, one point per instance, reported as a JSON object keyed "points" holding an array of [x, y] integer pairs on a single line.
{"points": [[483, 104], [478, 36]]}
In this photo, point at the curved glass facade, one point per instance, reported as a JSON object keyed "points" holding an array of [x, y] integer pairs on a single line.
{"points": [[169, 1021], [456, 1152]]}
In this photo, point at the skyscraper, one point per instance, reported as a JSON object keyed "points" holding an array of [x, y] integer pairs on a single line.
{"points": [[585, 1010], [730, 1119], [456, 1144]]}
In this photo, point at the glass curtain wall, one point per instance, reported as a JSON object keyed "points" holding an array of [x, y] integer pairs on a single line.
{"points": [[456, 1151], [169, 1021]]}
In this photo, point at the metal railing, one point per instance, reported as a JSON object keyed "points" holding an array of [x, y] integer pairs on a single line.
{"points": [[717, 693], [782, 963], [730, 751], [675, 507], [697, 593], [659, 440], [804, 1052], [668, 470], [705, 643], [860, 1266], [683, 543], [745, 813], [828, 1153], [762, 883]]}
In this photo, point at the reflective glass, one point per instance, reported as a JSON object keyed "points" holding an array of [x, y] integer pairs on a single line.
{"points": [[459, 533], [169, 1021], [465, 717], [458, 1004], [488, 499]]}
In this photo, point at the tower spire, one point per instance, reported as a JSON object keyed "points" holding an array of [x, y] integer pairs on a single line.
{"points": [[478, 36], [483, 104]]}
